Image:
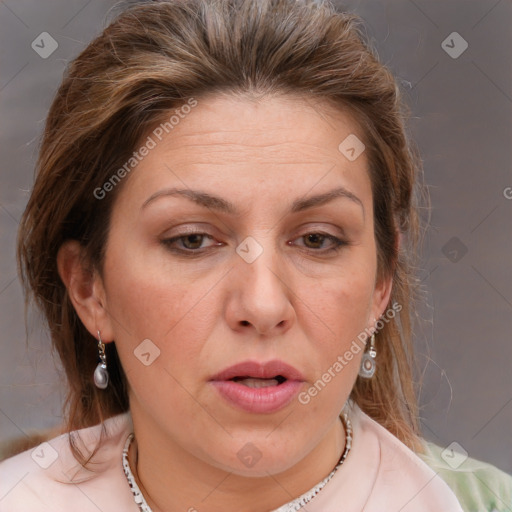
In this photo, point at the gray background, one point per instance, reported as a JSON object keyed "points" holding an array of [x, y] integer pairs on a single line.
{"points": [[462, 123]]}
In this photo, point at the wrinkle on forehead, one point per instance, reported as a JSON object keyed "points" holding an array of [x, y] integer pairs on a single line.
{"points": [[257, 132]]}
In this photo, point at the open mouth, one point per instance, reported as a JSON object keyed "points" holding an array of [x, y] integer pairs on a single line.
{"points": [[259, 387], [256, 383]]}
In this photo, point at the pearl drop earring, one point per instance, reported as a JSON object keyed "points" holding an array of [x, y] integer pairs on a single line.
{"points": [[368, 363], [101, 373]]}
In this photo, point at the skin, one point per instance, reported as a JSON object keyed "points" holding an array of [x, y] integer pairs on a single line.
{"points": [[296, 302]]}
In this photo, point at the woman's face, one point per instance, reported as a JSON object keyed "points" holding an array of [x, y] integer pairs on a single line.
{"points": [[225, 248]]}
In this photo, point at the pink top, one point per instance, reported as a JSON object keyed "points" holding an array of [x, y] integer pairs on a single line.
{"points": [[380, 474]]}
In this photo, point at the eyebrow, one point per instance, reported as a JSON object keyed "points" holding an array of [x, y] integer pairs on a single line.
{"points": [[213, 202]]}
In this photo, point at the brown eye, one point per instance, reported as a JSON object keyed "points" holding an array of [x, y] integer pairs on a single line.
{"points": [[192, 241], [316, 242], [188, 243], [315, 239]]}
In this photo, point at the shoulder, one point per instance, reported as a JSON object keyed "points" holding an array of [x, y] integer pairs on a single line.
{"points": [[48, 477], [478, 485], [380, 474], [404, 481]]}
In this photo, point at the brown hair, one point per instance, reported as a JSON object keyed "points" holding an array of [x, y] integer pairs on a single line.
{"points": [[153, 58]]}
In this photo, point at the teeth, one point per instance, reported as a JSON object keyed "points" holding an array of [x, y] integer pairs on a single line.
{"points": [[258, 383]]}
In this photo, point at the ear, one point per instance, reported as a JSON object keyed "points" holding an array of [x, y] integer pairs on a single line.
{"points": [[85, 289], [384, 286], [381, 296]]}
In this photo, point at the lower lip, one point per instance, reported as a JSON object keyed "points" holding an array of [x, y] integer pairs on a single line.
{"points": [[258, 400]]}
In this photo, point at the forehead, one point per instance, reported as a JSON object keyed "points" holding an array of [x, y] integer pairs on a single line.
{"points": [[288, 141], [263, 123]]}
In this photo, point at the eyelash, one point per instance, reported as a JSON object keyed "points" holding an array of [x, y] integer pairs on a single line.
{"points": [[168, 243]]}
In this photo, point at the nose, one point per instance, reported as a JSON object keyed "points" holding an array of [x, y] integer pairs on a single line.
{"points": [[261, 296]]}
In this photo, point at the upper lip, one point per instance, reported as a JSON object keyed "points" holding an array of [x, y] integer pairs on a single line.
{"points": [[260, 370]]}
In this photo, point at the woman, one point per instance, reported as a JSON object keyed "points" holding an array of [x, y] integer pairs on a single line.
{"points": [[220, 236]]}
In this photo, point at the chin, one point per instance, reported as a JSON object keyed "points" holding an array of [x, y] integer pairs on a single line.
{"points": [[255, 458]]}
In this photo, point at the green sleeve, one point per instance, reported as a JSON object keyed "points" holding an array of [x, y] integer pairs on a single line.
{"points": [[479, 487]]}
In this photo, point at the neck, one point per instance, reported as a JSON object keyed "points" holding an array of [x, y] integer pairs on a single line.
{"points": [[173, 480]]}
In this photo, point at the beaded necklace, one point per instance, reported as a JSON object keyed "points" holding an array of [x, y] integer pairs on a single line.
{"points": [[294, 505]]}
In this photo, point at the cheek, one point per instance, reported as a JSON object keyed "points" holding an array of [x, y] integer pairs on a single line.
{"points": [[160, 328], [343, 303], [174, 312], [144, 296], [343, 307]]}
